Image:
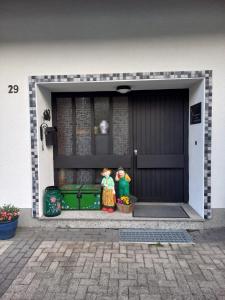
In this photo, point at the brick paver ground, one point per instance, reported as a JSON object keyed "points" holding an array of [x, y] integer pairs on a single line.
{"points": [[92, 264]]}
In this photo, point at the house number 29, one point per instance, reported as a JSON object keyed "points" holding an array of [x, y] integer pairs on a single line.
{"points": [[13, 89]]}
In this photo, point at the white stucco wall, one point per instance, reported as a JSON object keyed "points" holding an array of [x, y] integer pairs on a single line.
{"points": [[45, 154], [196, 150], [73, 37]]}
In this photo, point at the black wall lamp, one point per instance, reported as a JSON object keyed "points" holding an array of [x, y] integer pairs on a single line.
{"points": [[47, 115], [123, 89], [49, 132]]}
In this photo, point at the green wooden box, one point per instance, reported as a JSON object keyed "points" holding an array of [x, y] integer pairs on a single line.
{"points": [[81, 197]]}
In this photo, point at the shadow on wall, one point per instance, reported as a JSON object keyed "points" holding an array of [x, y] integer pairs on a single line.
{"points": [[54, 20]]}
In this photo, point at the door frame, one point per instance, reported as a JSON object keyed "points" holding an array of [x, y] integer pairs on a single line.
{"points": [[41, 86]]}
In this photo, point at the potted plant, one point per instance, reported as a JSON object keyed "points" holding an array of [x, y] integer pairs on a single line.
{"points": [[124, 204], [9, 215]]}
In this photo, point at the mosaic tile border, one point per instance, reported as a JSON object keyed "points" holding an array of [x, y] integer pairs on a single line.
{"points": [[207, 75]]}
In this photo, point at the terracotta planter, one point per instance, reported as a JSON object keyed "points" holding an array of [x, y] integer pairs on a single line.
{"points": [[8, 229], [126, 209]]}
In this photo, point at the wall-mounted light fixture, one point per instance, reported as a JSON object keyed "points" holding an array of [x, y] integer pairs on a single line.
{"points": [[47, 115], [47, 133], [123, 89]]}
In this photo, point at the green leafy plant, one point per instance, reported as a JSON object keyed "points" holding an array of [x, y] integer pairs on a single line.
{"points": [[8, 213]]}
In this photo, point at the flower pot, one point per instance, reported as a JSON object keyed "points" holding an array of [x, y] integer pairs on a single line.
{"points": [[8, 229], [126, 209], [52, 201]]}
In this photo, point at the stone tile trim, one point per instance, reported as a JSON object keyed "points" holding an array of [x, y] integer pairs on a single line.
{"points": [[206, 75]]}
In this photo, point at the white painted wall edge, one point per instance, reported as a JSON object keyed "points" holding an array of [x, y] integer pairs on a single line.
{"points": [[196, 133], [45, 154], [196, 150]]}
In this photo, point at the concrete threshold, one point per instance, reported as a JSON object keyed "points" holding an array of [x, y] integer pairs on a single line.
{"points": [[100, 219]]}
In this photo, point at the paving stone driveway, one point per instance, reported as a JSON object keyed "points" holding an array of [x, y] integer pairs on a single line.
{"points": [[92, 264]]}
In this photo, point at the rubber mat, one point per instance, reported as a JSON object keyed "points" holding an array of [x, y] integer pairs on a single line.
{"points": [[154, 236], [159, 211]]}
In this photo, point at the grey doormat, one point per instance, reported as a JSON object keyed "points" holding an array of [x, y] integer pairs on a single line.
{"points": [[153, 236], [158, 211]]}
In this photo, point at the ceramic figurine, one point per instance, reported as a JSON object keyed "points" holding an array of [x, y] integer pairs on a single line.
{"points": [[104, 126], [108, 194], [123, 180]]}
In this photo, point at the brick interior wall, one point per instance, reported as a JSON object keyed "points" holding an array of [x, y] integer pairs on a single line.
{"points": [[83, 136]]}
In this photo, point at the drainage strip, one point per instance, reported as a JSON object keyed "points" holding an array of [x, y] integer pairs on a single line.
{"points": [[154, 236]]}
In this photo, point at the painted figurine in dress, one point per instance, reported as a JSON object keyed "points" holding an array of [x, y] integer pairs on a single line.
{"points": [[108, 194]]}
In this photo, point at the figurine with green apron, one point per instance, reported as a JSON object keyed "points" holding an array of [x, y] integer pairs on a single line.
{"points": [[123, 180]]}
